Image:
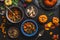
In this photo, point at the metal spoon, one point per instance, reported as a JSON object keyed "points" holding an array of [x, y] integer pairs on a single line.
{"points": [[9, 10], [40, 34]]}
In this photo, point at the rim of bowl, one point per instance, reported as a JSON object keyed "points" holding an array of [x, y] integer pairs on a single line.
{"points": [[15, 29], [32, 34], [44, 7], [21, 13], [34, 7]]}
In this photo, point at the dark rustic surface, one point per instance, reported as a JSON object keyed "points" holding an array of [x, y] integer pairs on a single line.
{"points": [[45, 36]]}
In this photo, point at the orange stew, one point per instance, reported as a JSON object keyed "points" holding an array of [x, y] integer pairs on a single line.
{"points": [[15, 16], [29, 27]]}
